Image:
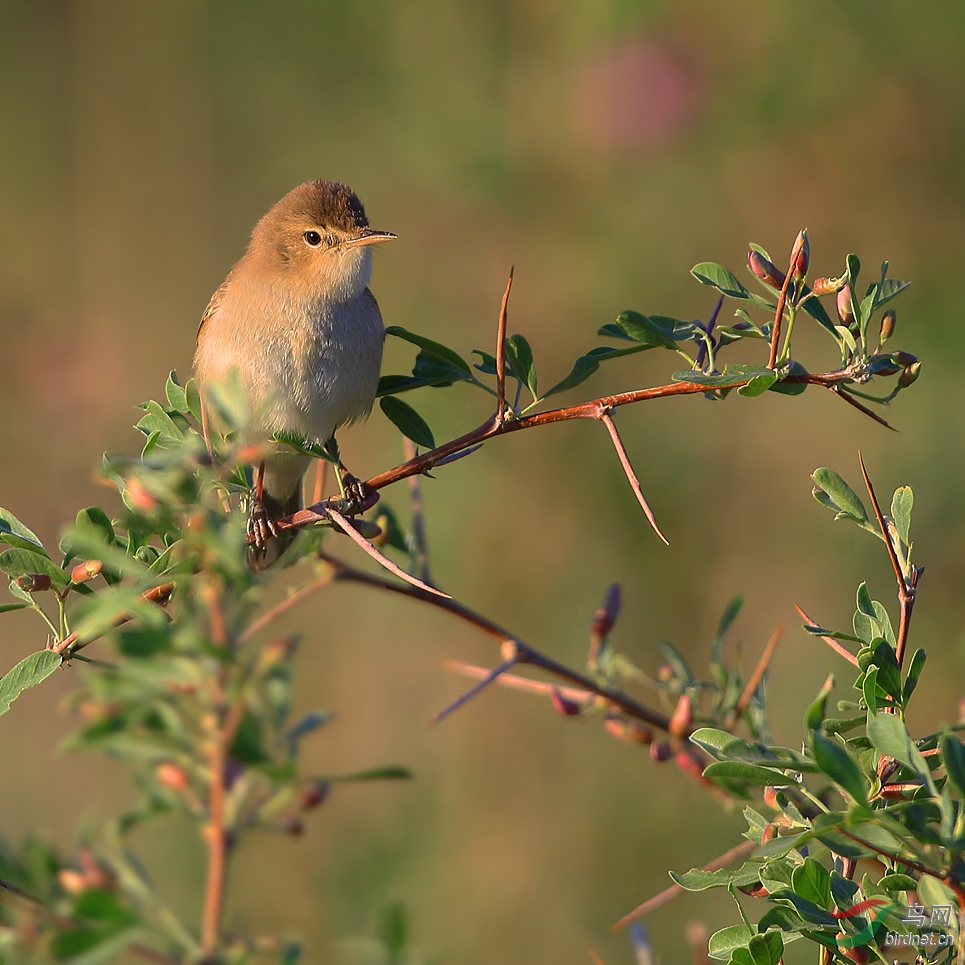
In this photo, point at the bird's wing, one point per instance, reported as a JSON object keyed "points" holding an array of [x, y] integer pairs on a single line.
{"points": [[216, 300], [366, 295]]}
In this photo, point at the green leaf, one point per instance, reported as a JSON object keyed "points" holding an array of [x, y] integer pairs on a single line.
{"points": [[757, 385], [10, 607], [897, 882], [26, 674], [247, 746], [100, 905], [764, 949], [519, 359], [817, 711], [723, 942], [17, 562], [953, 757], [142, 642], [192, 397], [840, 497], [809, 910], [901, 506], [408, 421], [433, 348], [582, 369], [698, 880], [817, 311], [680, 667], [393, 930], [791, 388], [170, 435], [645, 330], [889, 674], [836, 761], [750, 773], [887, 290], [812, 880], [710, 273], [175, 394], [390, 772], [914, 672], [890, 737], [14, 533]]}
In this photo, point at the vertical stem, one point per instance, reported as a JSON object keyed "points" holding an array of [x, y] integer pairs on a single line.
{"points": [[418, 523], [778, 317]]}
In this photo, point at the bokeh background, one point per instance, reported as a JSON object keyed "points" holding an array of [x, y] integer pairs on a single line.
{"points": [[602, 147]]}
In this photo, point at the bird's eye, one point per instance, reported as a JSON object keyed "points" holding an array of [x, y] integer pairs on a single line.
{"points": [[312, 238]]}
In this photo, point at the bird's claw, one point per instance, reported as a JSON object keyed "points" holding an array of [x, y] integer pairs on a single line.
{"points": [[355, 494], [261, 528]]}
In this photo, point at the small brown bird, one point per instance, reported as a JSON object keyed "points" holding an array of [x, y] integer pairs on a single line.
{"points": [[297, 325]]}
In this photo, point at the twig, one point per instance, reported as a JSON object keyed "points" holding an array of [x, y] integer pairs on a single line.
{"points": [[157, 594], [739, 851], [515, 682], [830, 641], [523, 652], [418, 524], [475, 689], [906, 592], [283, 607], [755, 678], [630, 474], [851, 400], [349, 530], [501, 351], [321, 472], [779, 313]]}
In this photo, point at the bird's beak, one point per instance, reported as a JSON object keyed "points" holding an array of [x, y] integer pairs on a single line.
{"points": [[369, 236]]}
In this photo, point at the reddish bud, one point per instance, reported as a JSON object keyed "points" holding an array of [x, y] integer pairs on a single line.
{"points": [[768, 833], [139, 496], [603, 621], [172, 776], [827, 286], [313, 795], [660, 751], [83, 572], [665, 673], [564, 706], [764, 269], [770, 798], [909, 375], [73, 882], [624, 729], [888, 322], [800, 256], [33, 582], [755, 891], [844, 306], [683, 717], [690, 765]]}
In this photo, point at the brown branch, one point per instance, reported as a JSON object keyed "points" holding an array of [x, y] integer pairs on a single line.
{"points": [[779, 314], [755, 678], [343, 524], [906, 592], [487, 679], [501, 351], [851, 400], [283, 607], [157, 594], [630, 474], [515, 682], [830, 641], [523, 652], [741, 850], [418, 523]]}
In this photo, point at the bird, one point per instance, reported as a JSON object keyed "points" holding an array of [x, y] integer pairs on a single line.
{"points": [[295, 323]]}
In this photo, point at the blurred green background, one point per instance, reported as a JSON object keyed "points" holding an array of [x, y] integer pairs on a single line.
{"points": [[602, 147]]}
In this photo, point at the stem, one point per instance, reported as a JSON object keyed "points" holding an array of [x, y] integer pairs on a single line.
{"points": [[501, 351], [420, 550], [778, 316], [786, 348]]}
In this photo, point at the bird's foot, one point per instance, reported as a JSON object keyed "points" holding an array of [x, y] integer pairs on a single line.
{"points": [[356, 496], [261, 528]]}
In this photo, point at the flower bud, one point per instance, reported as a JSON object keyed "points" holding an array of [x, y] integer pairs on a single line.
{"points": [[73, 882], [888, 322], [83, 572], [603, 621], [904, 358], [140, 498], [755, 891], [765, 270], [689, 764], [800, 256], [314, 794], [665, 673], [683, 717], [33, 582], [844, 306], [770, 798], [564, 706], [660, 751], [909, 375], [625, 729], [172, 776], [827, 286], [858, 954]]}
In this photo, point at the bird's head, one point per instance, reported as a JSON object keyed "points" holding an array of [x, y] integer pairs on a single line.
{"points": [[319, 237]]}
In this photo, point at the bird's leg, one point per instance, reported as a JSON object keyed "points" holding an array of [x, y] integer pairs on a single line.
{"points": [[261, 527], [354, 493]]}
